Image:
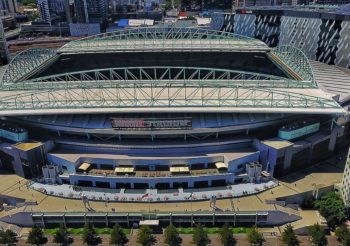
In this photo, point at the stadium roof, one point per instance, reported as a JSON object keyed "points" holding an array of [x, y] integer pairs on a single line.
{"points": [[162, 88]]}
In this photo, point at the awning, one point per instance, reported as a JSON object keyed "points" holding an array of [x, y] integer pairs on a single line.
{"points": [[149, 222], [220, 165], [179, 170], [85, 166], [124, 170]]}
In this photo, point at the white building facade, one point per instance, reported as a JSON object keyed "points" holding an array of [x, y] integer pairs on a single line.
{"points": [[345, 190]]}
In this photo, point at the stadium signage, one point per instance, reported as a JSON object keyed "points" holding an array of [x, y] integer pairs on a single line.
{"points": [[152, 124]]}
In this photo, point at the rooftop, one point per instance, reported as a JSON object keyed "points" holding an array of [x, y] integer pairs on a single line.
{"points": [[277, 143], [75, 156], [25, 146]]}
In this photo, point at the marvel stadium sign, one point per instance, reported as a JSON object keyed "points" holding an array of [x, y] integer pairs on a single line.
{"points": [[153, 124]]}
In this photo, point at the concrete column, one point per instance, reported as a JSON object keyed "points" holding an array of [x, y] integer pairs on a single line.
{"points": [[336, 132], [288, 155], [94, 183], [311, 152], [42, 220], [190, 184], [98, 166], [132, 185], [206, 165], [209, 183], [171, 185], [64, 220], [113, 185]]}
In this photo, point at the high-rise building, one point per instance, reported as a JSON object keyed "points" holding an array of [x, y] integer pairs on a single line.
{"points": [[43, 8], [54, 11], [4, 53], [91, 11], [345, 188], [7, 7]]}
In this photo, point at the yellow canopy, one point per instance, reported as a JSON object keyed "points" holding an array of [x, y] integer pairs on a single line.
{"points": [[85, 166], [179, 170], [124, 170], [220, 165]]}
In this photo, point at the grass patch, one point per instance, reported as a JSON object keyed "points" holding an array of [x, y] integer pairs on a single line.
{"points": [[79, 231], [184, 230], [212, 230], [50, 231]]}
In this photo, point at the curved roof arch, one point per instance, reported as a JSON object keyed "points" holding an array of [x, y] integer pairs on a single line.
{"points": [[295, 59], [24, 63], [163, 38], [162, 98], [159, 75]]}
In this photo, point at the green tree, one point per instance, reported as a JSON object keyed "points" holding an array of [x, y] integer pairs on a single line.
{"points": [[171, 236], [8, 237], [289, 237], [318, 236], [61, 236], [255, 238], [200, 237], [169, 6], [145, 237], [118, 236], [36, 236], [340, 232], [226, 236], [331, 207], [346, 240], [343, 235], [89, 235]]}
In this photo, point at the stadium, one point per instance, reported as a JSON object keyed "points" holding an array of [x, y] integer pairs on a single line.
{"points": [[167, 109]]}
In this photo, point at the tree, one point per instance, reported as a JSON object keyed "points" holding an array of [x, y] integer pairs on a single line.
{"points": [[255, 238], [289, 237], [343, 235], [61, 236], [36, 236], [172, 236], [145, 237], [89, 235], [200, 237], [118, 236], [226, 236], [331, 207], [8, 237], [168, 4], [318, 237]]}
